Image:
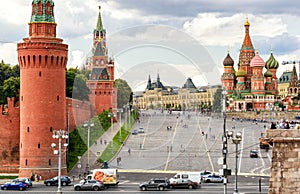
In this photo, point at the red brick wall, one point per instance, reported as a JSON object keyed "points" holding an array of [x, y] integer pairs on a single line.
{"points": [[9, 129]]}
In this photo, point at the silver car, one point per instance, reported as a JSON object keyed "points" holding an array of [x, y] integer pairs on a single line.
{"points": [[93, 185]]}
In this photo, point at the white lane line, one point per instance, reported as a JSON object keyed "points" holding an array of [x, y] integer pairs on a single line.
{"points": [[167, 162], [241, 152]]}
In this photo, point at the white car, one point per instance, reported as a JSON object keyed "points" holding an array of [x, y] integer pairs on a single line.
{"points": [[212, 178], [141, 130]]}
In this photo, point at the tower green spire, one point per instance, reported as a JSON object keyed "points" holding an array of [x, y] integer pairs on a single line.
{"points": [[99, 22], [42, 11]]}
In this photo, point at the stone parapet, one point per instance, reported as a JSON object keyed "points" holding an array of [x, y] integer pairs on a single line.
{"points": [[285, 166]]}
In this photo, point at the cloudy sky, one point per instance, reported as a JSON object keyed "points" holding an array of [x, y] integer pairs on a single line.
{"points": [[175, 38]]}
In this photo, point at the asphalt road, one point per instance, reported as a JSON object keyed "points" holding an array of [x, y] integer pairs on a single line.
{"points": [[193, 144], [129, 184]]}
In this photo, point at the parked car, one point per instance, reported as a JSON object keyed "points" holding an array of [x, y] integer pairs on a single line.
{"points": [[183, 183], [155, 184], [212, 178], [253, 154], [141, 130], [134, 132], [27, 181], [65, 180], [14, 185], [93, 185]]}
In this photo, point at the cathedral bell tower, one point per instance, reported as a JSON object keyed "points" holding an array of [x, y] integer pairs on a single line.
{"points": [[43, 59]]}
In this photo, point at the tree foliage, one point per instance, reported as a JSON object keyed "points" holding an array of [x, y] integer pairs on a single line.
{"points": [[217, 106], [9, 82], [124, 92], [76, 84]]}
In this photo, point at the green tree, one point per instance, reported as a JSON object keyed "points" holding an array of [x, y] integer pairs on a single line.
{"points": [[11, 88], [76, 84], [124, 92], [217, 106]]}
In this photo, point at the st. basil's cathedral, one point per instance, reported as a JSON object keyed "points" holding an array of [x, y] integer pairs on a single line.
{"points": [[254, 86]]}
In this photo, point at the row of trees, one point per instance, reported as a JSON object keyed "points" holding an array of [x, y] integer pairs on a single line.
{"points": [[75, 85]]}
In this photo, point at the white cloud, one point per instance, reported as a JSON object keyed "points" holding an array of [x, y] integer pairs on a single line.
{"points": [[78, 59], [8, 53], [215, 29]]}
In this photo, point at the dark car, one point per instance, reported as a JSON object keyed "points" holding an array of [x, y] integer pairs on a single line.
{"points": [[183, 183], [134, 132], [93, 185], [27, 181], [65, 180], [155, 184], [14, 185], [253, 154]]}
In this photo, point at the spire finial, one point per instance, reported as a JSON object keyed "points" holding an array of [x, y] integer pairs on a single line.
{"points": [[99, 22]]}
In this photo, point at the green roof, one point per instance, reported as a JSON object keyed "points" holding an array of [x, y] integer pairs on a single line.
{"points": [[44, 16]]}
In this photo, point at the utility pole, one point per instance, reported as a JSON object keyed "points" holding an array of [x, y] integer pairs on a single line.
{"points": [[225, 149]]}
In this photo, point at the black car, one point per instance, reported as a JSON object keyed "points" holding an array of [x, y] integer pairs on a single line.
{"points": [[155, 184], [253, 154], [65, 180]]}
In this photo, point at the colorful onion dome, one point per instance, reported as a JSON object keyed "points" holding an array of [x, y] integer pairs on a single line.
{"points": [[228, 61], [271, 63], [240, 73], [268, 73], [257, 61]]}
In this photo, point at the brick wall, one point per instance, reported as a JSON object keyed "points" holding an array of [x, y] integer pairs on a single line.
{"points": [[10, 132]]}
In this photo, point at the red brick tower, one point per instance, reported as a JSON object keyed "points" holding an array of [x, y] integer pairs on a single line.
{"points": [[101, 81], [42, 58], [246, 54], [228, 77]]}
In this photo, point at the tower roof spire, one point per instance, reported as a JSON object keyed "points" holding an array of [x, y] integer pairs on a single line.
{"points": [[42, 11], [99, 22]]}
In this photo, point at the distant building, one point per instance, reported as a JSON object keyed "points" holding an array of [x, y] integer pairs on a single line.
{"points": [[249, 88], [158, 96]]}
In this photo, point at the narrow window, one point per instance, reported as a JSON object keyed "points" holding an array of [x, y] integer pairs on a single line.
{"points": [[39, 145], [40, 74], [26, 162], [27, 129], [57, 98], [51, 129], [49, 162], [21, 98]]}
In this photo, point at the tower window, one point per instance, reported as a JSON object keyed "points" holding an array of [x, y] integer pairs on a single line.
{"points": [[39, 145], [57, 98], [21, 98], [40, 74], [27, 129], [26, 162], [51, 129], [49, 162]]}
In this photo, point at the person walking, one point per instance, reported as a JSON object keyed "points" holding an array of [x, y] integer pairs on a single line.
{"points": [[129, 151]]}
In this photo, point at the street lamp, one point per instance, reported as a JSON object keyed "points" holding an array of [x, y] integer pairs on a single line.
{"points": [[88, 124], [236, 140], [111, 115], [59, 134], [120, 110]]}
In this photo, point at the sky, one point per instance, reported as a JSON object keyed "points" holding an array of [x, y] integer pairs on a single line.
{"points": [[174, 39]]}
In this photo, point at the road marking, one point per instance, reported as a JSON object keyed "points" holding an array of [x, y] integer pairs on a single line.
{"points": [[242, 148], [167, 162]]}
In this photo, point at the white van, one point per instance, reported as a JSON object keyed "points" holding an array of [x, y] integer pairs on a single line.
{"points": [[193, 176]]}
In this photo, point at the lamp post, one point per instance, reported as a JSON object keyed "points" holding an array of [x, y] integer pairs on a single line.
{"points": [[236, 140], [111, 115], [59, 134], [88, 124], [224, 149], [120, 110]]}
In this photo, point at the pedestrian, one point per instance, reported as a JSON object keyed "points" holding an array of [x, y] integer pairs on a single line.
{"points": [[140, 146], [118, 161], [171, 148], [101, 141], [96, 142], [40, 177], [129, 151], [167, 148], [105, 142]]}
